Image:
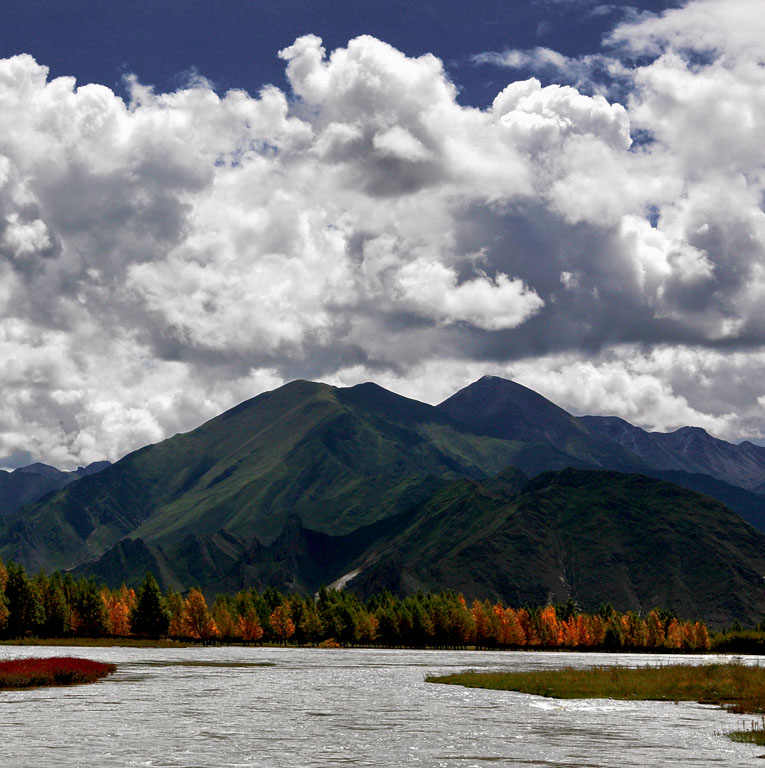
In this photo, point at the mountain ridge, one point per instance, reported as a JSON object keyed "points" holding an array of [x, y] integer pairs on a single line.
{"points": [[365, 488], [689, 449]]}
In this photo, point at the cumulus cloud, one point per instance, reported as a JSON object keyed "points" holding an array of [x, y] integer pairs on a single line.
{"points": [[165, 255]]}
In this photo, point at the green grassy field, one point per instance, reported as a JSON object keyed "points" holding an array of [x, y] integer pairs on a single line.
{"points": [[736, 687]]}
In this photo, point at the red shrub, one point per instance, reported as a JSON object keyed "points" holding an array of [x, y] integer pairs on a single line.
{"points": [[29, 673]]}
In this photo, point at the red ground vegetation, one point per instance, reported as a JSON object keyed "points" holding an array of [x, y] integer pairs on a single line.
{"points": [[33, 673]]}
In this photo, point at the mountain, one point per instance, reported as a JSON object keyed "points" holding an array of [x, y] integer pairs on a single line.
{"points": [[503, 409], [689, 449], [30, 483], [312, 484], [557, 439], [593, 536], [338, 458]]}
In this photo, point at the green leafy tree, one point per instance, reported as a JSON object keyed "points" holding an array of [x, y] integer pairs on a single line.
{"points": [[150, 615], [58, 612], [26, 613], [91, 618], [4, 612]]}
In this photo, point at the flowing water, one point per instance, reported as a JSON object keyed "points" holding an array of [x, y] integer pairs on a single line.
{"points": [[271, 707]]}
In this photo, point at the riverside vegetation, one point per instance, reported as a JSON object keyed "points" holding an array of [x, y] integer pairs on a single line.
{"points": [[59, 606], [35, 673], [736, 687]]}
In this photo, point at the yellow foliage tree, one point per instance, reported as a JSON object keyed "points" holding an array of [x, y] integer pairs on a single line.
{"points": [[281, 622], [196, 620], [549, 630]]}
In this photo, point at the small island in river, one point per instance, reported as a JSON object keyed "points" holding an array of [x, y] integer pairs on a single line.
{"points": [[36, 673], [736, 687]]}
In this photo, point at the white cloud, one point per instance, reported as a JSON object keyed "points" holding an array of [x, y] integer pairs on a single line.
{"points": [[430, 289], [163, 257]]}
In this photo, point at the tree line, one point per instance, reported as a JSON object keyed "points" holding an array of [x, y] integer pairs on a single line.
{"points": [[60, 606]]}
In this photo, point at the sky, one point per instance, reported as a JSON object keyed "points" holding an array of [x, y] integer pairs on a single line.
{"points": [[200, 201]]}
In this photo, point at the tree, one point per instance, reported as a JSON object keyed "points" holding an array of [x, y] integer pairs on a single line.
{"points": [[90, 615], [223, 616], [26, 611], [655, 630], [486, 624], [150, 615], [4, 613], [674, 635], [701, 636], [248, 625], [282, 623], [58, 612], [613, 638], [174, 603], [549, 629], [196, 620]]}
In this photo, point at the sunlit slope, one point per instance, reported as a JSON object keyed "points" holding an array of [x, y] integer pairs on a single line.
{"points": [[337, 458], [591, 535]]}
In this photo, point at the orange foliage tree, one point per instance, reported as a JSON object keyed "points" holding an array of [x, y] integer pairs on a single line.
{"points": [[281, 622], [196, 620]]}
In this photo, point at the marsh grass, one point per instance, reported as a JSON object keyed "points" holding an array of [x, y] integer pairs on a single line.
{"points": [[98, 642], [734, 686], [755, 734]]}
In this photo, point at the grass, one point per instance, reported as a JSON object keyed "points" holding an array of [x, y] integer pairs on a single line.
{"points": [[98, 642], [755, 734], [735, 687], [63, 670]]}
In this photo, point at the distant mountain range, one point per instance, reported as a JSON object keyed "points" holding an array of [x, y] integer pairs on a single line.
{"points": [[311, 484], [27, 484], [689, 449]]}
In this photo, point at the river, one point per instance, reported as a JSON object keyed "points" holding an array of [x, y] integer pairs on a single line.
{"points": [[272, 707]]}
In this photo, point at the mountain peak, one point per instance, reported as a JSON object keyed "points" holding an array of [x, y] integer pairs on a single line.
{"points": [[692, 431], [38, 468], [502, 408]]}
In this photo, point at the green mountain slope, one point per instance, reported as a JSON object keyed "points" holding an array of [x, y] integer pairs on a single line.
{"points": [[338, 458], [593, 536]]}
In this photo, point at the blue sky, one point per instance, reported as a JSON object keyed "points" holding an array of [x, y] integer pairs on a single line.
{"points": [[234, 43], [201, 201]]}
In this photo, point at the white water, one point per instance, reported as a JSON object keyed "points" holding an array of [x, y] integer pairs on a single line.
{"points": [[214, 708]]}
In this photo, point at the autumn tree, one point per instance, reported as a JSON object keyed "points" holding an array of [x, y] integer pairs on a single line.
{"points": [[281, 622], [673, 637], [196, 621], [174, 605], [486, 623], [549, 629], [248, 625], [654, 630], [701, 636], [223, 614], [118, 604]]}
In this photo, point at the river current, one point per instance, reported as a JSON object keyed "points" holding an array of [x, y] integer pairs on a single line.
{"points": [[271, 707]]}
